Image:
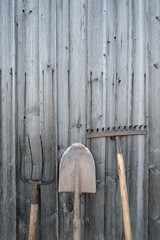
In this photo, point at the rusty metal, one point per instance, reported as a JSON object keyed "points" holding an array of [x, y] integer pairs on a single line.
{"points": [[30, 180], [35, 194], [120, 131], [77, 174], [36, 187]]}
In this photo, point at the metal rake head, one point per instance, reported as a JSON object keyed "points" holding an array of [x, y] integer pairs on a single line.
{"points": [[30, 180], [117, 131]]}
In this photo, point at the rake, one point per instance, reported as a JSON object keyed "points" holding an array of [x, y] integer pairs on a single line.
{"points": [[117, 132]]}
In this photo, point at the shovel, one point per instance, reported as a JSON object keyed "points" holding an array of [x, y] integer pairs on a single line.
{"points": [[77, 174]]}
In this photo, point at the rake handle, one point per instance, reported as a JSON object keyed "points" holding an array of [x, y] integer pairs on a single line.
{"points": [[34, 213], [77, 201], [123, 189]]}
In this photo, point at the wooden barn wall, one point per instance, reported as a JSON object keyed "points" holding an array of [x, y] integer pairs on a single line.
{"points": [[66, 66]]}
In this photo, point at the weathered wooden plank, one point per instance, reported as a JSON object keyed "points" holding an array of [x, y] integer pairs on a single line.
{"points": [[118, 40], [111, 165], [28, 103], [63, 76], [154, 124], [23, 190], [96, 116], [139, 161], [8, 121], [48, 115], [117, 82], [78, 33], [74, 76]]}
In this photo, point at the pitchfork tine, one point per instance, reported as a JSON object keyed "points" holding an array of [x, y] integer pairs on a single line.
{"points": [[30, 149], [20, 164], [30, 180]]}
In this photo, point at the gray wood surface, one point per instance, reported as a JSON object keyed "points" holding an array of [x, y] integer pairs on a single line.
{"points": [[8, 128], [67, 66], [154, 123]]}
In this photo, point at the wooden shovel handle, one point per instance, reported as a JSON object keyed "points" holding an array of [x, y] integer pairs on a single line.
{"points": [[77, 206], [76, 229], [34, 213], [123, 189]]}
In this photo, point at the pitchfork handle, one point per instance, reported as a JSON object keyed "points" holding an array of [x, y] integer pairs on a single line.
{"points": [[123, 189], [77, 200], [34, 213]]}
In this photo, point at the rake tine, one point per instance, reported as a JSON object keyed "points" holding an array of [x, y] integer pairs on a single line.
{"points": [[42, 157], [135, 127], [30, 149], [141, 127]]}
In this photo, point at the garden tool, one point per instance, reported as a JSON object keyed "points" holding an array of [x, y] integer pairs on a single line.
{"points": [[34, 210], [117, 133], [77, 174]]}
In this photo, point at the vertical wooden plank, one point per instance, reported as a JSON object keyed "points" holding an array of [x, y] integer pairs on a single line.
{"points": [[48, 115], [119, 40], [63, 76], [139, 160], [8, 121], [23, 190], [111, 179], [71, 93], [77, 79], [116, 105], [28, 103], [154, 124], [96, 116]]}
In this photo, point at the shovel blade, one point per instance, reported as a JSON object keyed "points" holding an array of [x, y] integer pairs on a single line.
{"points": [[77, 153]]}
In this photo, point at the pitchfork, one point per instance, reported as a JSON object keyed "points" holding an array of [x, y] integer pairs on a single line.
{"points": [[35, 190]]}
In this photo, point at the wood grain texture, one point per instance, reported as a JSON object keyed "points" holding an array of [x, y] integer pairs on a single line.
{"points": [[139, 159], [154, 124], [28, 104], [96, 116], [48, 116], [33, 222], [8, 129], [70, 65], [63, 75]]}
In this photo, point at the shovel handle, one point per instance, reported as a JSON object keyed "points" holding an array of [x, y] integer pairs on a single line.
{"points": [[123, 189], [77, 201], [34, 213], [76, 229]]}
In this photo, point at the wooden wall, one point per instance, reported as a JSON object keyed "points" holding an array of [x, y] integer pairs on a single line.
{"points": [[66, 66]]}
